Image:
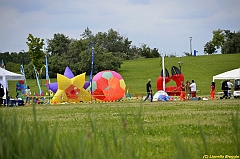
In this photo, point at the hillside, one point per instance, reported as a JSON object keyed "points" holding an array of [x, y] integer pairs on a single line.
{"points": [[199, 68], [137, 72]]}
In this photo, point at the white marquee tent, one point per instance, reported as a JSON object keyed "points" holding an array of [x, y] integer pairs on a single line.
{"points": [[233, 74], [6, 76]]}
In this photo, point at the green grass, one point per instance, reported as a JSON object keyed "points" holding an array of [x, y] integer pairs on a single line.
{"points": [[136, 72], [199, 68], [130, 129]]}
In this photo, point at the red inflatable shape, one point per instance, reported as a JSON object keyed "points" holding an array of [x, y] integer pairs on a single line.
{"points": [[160, 82], [177, 77]]}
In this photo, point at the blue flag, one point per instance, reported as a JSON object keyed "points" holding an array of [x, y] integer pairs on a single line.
{"points": [[92, 64], [36, 73]]}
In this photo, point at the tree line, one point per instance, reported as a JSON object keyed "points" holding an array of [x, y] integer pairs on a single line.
{"points": [[110, 49], [227, 41]]}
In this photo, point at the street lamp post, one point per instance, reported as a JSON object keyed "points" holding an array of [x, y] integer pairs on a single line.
{"points": [[180, 65], [190, 45]]}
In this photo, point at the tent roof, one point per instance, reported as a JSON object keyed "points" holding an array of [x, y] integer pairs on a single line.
{"points": [[233, 74], [10, 75]]}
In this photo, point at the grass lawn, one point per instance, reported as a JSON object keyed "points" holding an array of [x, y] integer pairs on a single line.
{"points": [[200, 68], [128, 129]]}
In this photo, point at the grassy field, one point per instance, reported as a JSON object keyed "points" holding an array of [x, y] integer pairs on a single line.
{"points": [[130, 129], [199, 68], [137, 72]]}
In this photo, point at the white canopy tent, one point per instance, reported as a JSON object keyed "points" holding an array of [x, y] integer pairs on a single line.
{"points": [[6, 76], [233, 74]]}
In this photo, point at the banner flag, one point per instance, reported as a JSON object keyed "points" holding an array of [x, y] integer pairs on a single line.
{"points": [[3, 65], [47, 77], [92, 64], [22, 71], [36, 73]]}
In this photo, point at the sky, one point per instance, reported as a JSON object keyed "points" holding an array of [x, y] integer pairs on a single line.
{"points": [[166, 24]]}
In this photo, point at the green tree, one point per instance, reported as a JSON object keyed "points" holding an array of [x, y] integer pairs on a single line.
{"points": [[209, 48], [59, 45], [23, 58], [106, 61], [134, 53], [145, 51], [112, 42], [218, 38], [13, 67], [6, 57], [29, 71], [232, 42], [35, 52], [228, 41], [87, 34], [56, 64], [155, 52]]}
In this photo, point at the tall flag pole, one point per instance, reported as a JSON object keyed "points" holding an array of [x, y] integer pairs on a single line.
{"points": [[36, 73], [92, 64], [163, 68], [47, 76], [22, 71]]}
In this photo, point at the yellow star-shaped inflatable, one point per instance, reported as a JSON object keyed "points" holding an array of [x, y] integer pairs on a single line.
{"points": [[71, 90]]}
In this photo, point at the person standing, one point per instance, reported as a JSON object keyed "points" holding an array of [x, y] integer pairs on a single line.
{"points": [[149, 90], [187, 89], [28, 94], [212, 88], [224, 89], [193, 87], [229, 88], [182, 91], [1, 94]]}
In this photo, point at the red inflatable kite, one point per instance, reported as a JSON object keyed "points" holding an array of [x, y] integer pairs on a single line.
{"points": [[108, 86], [177, 77]]}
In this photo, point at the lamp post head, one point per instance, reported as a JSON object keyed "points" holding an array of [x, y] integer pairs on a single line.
{"points": [[180, 63]]}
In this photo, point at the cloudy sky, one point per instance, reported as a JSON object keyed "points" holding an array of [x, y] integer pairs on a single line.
{"points": [[157, 23]]}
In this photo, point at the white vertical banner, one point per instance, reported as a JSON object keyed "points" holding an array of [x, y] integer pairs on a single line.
{"points": [[163, 68], [4, 85]]}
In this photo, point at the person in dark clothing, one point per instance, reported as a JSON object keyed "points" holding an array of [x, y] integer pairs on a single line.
{"points": [[225, 90], [149, 90], [1, 94]]}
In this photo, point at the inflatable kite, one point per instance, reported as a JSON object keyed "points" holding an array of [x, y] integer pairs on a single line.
{"points": [[68, 73], [71, 90], [108, 86], [177, 77]]}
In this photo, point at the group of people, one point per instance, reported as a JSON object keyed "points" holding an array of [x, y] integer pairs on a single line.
{"points": [[8, 97], [189, 90], [227, 89]]}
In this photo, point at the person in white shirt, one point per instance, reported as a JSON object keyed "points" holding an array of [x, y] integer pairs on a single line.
{"points": [[229, 88], [193, 87], [28, 94]]}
